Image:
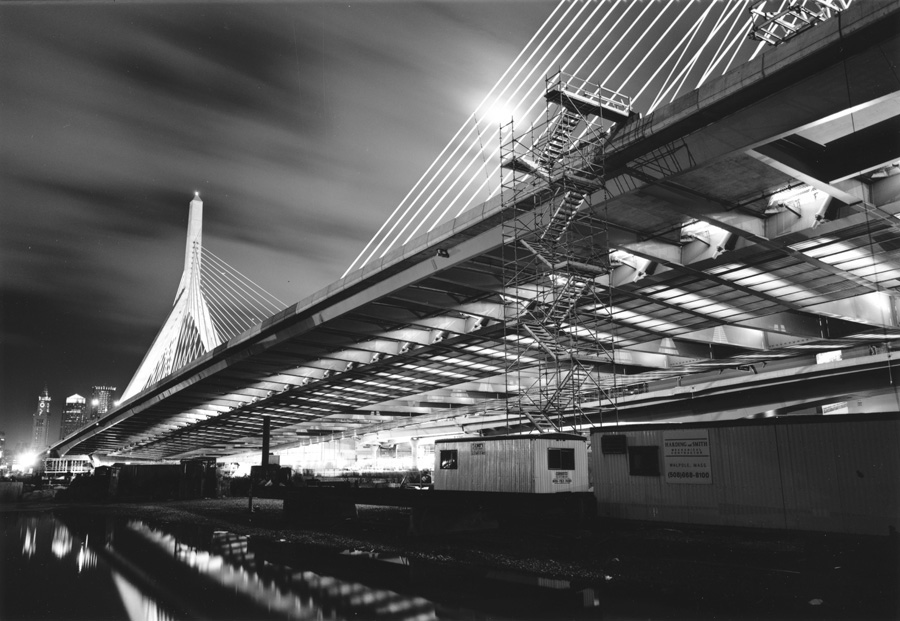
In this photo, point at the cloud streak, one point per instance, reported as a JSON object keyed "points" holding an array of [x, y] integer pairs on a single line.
{"points": [[302, 126]]}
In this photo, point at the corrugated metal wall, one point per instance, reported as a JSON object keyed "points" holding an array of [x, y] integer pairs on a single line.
{"points": [[505, 466], [828, 474], [546, 480], [746, 477], [845, 478], [508, 465]]}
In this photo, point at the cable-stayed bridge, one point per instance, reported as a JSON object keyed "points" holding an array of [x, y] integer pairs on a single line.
{"points": [[652, 51], [685, 259], [213, 304]]}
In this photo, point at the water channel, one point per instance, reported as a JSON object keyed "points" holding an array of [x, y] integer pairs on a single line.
{"points": [[72, 568]]}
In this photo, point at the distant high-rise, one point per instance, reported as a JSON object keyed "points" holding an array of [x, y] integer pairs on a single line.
{"points": [[41, 425], [74, 415], [102, 401]]}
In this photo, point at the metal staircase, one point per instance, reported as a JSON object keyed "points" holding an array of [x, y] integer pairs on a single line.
{"points": [[558, 138], [555, 400], [566, 297], [559, 161], [563, 215], [540, 420], [552, 174]]}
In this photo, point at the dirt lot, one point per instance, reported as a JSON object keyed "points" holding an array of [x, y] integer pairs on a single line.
{"points": [[701, 573]]}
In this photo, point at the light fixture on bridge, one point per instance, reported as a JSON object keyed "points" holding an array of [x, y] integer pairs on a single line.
{"points": [[443, 253], [885, 171], [618, 258], [696, 230]]}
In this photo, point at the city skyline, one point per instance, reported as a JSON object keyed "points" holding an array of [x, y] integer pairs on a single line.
{"points": [[73, 412], [40, 423], [73, 415], [301, 125]]}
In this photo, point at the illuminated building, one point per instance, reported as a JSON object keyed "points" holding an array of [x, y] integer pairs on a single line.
{"points": [[41, 425], [102, 400], [74, 415]]}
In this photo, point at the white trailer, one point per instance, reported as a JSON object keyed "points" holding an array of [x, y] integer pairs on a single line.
{"points": [[538, 464], [811, 473]]}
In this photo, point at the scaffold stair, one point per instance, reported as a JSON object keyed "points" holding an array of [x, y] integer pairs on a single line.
{"points": [[544, 338], [566, 298], [558, 137], [563, 215], [569, 385], [540, 421]]}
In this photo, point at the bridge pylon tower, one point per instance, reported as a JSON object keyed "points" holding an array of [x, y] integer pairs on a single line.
{"points": [[188, 331], [213, 303]]}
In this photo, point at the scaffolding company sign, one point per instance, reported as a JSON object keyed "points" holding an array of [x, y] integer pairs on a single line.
{"points": [[686, 454]]}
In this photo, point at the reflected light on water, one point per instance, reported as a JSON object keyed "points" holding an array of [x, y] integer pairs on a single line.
{"points": [[62, 541], [86, 558], [62, 544], [29, 541], [158, 574], [306, 594], [139, 606], [231, 576]]}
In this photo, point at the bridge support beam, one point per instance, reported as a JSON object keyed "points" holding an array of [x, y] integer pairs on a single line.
{"points": [[267, 435]]}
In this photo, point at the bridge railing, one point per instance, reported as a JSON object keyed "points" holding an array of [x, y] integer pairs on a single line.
{"points": [[605, 97]]}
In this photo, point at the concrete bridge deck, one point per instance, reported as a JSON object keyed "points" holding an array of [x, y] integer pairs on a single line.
{"points": [[413, 345]]}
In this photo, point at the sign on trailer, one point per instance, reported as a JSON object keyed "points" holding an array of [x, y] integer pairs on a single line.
{"points": [[562, 476], [686, 454]]}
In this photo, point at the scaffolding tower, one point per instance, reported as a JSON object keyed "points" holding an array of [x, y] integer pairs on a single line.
{"points": [[790, 17], [556, 248]]}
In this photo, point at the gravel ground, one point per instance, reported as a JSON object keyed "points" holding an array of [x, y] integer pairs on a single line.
{"points": [[700, 573]]}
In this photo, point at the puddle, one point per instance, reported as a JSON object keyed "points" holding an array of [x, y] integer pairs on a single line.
{"points": [[70, 568]]}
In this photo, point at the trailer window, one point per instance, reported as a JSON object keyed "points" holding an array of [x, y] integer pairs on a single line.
{"points": [[613, 444], [448, 459], [560, 459], [643, 461]]}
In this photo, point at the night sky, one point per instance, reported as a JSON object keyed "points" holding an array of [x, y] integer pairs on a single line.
{"points": [[302, 125]]}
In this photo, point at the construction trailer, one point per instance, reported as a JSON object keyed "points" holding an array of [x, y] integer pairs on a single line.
{"points": [[836, 474], [545, 463], [63, 469]]}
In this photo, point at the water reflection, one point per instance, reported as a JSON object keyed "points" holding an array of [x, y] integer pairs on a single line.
{"points": [[29, 539], [86, 558], [62, 541], [292, 594], [138, 605], [136, 570], [50, 573]]}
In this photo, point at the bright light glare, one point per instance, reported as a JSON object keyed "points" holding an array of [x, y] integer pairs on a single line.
{"points": [[790, 194], [27, 459], [499, 113]]}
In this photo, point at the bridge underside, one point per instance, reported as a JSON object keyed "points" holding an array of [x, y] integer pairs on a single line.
{"points": [[756, 226]]}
